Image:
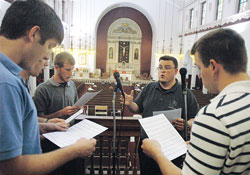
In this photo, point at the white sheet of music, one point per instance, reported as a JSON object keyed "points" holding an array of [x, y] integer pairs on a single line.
{"points": [[86, 97], [159, 128], [72, 117], [170, 114], [85, 128]]}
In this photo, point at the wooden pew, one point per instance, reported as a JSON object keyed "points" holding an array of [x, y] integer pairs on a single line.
{"points": [[202, 99]]}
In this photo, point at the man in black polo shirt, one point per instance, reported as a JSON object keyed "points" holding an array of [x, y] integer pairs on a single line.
{"points": [[165, 94]]}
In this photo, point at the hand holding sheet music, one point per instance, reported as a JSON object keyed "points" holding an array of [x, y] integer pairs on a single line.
{"points": [[85, 128], [72, 117], [159, 128]]}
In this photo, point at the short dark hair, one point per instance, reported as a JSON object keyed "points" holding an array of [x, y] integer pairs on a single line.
{"points": [[173, 59], [226, 47], [21, 16], [64, 58]]}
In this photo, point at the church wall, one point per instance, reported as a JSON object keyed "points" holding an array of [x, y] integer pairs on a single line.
{"points": [[87, 14], [230, 19]]}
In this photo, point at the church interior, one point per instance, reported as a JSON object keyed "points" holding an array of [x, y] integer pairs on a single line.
{"points": [[129, 37]]}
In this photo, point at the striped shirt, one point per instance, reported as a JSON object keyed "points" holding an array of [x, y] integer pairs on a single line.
{"points": [[220, 140]]}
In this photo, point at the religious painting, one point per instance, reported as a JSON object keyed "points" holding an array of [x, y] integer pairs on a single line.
{"points": [[136, 54], [111, 53], [81, 59], [123, 51]]}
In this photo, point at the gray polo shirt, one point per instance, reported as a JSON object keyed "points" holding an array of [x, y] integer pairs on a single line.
{"points": [[154, 98], [51, 96]]}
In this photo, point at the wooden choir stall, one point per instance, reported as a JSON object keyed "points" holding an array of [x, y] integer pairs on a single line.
{"points": [[127, 139]]}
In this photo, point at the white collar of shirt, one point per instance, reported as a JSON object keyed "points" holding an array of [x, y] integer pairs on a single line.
{"points": [[239, 86]]}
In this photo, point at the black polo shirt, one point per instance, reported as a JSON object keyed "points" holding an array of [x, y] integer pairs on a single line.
{"points": [[154, 98]]}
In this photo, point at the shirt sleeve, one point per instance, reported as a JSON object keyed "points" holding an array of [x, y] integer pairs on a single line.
{"points": [[11, 128], [140, 98], [40, 100], [208, 146]]}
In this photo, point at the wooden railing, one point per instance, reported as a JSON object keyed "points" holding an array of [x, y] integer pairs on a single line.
{"points": [[127, 139]]}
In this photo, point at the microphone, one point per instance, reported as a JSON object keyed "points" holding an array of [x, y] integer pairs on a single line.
{"points": [[118, 83], [183, 72]]}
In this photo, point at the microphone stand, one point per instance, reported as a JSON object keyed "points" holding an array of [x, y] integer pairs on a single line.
{"points": [[114, 131], [183, 72], [184, 91]]}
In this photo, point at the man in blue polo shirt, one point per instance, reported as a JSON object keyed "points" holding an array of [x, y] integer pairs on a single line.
{"points": [[29, 30]]}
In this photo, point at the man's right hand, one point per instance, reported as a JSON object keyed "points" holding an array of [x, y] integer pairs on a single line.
{"points": [[151, 148], [179, 124], [56, 120], [51, 127], [128, 98], [85, 147], [69, 110]]}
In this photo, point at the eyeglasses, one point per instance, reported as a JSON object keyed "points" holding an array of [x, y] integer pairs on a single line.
{"points": [[167, 68]]}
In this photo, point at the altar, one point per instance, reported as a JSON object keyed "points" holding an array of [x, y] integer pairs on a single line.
{"points": [[126, 77], [126, 74], [125, 70]]}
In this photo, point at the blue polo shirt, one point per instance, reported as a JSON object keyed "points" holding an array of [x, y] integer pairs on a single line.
{"points": [[19, 130]]}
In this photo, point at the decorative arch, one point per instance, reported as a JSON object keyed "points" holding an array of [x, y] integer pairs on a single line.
{"points": [[102, 32]]}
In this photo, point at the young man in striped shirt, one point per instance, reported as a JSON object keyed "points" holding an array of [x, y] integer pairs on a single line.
{"points": [[220, 140]]}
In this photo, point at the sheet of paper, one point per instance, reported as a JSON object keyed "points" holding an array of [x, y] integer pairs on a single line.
{"points": [[159, 128], [170, 114], [85, 128], [85, 98], [72, 117]]}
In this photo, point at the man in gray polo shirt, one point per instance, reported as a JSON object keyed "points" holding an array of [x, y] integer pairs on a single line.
{"points": [[54, 99], [165, 94]]}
